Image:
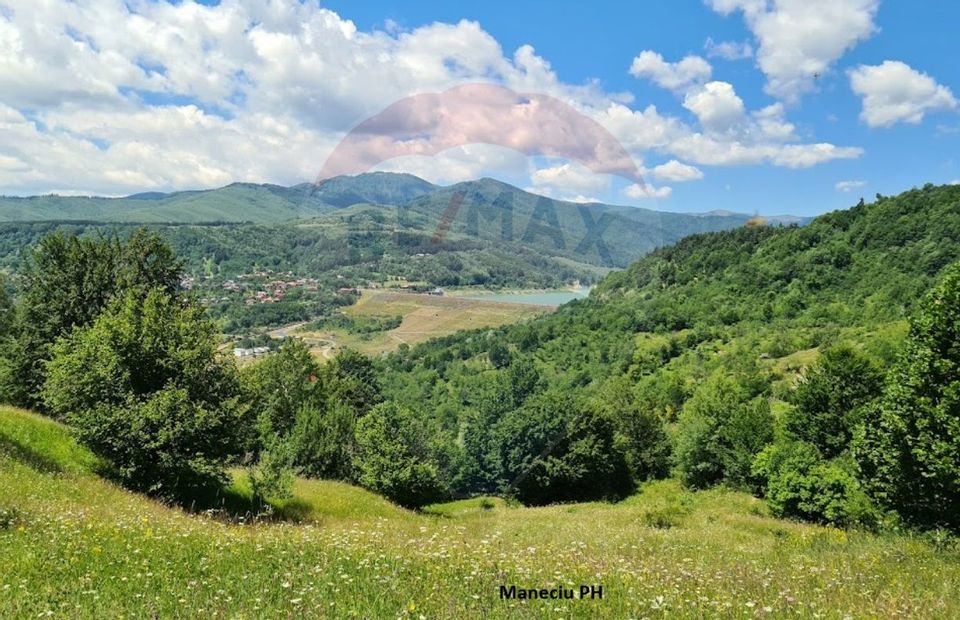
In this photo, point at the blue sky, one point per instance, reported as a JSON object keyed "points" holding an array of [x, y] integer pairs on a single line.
{"points": [[599, 39], [768, 106]]}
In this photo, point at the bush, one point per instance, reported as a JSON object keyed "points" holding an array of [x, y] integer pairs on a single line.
{"points": [[164, 444], [394, 457], [800, 484], [830, 397], [551, 450], [719, 434], [273, 476]]}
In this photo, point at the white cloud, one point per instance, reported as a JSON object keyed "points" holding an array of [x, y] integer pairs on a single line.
{"points": [[670, 75], [638, 192], [707, 150], [717, 107], [893, 92], [467, 162], [96, 97], [846, 186], [676, 171], [569, 177], [728, 50], [801, 39]]}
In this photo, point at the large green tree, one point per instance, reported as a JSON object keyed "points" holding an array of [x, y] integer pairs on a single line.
{"points": [[395, 456], [67, 282], [909, 448], [552, 449], [830, 397], [144, 387], [719, 433]]}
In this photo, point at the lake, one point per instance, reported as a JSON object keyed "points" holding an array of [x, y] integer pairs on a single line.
{"points": [[540, 298]]}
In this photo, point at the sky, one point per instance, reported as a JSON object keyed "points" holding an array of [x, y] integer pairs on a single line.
{"points": [[756, 106]]}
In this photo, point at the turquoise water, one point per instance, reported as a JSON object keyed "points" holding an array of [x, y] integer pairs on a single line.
{"points": [[542, 298]]}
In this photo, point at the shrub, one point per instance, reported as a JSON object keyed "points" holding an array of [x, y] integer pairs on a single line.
{"points": [[164, 444], [272, 478], [394, 458], [719, 434], [9, 518], [800, 484]]}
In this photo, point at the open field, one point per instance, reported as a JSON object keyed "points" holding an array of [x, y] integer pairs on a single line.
{"points": [[75, 546], [424, 317]]}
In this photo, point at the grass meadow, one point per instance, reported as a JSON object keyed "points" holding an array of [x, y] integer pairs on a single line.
{"points": [[73, 545], [424, 317]]}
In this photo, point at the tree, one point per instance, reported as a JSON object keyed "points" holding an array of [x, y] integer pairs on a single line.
{"points": [[144, 387], [553, 450], [67, 282], [280, 386], [797, 482], [909, 447], [394, 457], [639, 430], [719, 433], [830, 396], [323, 441], [352, 380], [499, 354]]}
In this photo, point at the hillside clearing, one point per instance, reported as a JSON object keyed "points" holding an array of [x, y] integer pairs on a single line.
{"points": [[424, 317], [76, 546]]}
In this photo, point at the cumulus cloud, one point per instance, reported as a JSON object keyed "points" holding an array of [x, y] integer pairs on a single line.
{"points": [[638, 192], [728, 50], [569, 177], [676, 171], [846, 186], [109, 97], [717, 106], [893, 92], [670, 75], [801, 39]]}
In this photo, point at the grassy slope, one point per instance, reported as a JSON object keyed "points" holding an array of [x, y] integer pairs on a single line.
{"points": [[82, 548]]}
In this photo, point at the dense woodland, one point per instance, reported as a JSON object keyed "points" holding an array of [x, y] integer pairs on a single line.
{"points": [[814, 366]]}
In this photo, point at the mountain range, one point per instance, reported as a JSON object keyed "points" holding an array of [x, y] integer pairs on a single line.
{"points": [[484, 211]]}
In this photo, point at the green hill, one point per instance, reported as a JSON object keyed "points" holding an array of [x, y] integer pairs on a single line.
{"points": [[75, 545], [775, 290]]}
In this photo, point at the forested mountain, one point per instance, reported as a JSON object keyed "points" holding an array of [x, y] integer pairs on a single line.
{"points": [[371, 228], [237, 202], [484, 211], [848, 269], [717, 324]]}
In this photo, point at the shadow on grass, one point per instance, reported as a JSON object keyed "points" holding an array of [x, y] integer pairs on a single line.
{"points": [[25, 454], [239, 506]]}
